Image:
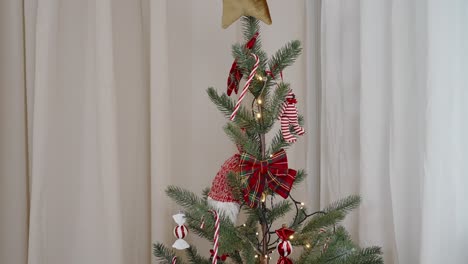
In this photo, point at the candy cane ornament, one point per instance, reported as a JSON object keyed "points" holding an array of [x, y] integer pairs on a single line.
{"points": [[174, 260], [246, 87], [215, 237]]}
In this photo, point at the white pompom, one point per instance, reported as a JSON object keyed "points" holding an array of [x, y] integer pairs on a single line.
{"points": [[229, 210], [180, 244]]}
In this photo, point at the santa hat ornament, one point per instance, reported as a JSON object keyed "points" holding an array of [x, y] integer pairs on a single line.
{"points": [[284, 246], [180, 232], [221, 197]]}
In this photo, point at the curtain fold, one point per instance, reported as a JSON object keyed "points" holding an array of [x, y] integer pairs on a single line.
{"points": [[74, 97], [106, 107], [102, 105], [14, 197], [75, 198], [400, 145]]}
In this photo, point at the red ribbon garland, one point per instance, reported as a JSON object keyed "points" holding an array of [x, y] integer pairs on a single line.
{"points": [[235, 74], [222, 257], [273, 172]]}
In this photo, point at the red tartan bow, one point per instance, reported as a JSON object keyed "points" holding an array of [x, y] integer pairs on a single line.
{"points": [[273, 171], [222, 257], [235, 74]]}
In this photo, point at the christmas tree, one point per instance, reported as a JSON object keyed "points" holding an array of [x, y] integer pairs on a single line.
{"points": [[257, 181]]}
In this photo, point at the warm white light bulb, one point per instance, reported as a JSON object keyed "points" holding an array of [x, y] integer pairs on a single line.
{"points": [[259, 101], [302, 204], [256, 256], [256, 234], [244, 225], [307, 245], [291, 236], [259, 115]]}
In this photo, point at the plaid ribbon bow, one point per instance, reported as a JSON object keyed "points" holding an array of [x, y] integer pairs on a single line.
{"points": [[274, 171]]}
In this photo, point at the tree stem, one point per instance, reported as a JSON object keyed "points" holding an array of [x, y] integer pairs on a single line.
{"points": [[264, 259]]}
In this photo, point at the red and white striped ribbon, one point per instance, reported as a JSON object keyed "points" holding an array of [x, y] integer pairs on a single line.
{"points": [[174, 260], [215, 237], [202, 225], [246, 87]]}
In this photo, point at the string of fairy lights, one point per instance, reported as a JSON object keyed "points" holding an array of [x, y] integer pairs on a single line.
{"points": [[299, 205], [300, 208]]}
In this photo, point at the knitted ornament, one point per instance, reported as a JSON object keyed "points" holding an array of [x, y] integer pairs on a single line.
{"points": [[221, 197], [180, 232], [288, 116], [284, 246]]}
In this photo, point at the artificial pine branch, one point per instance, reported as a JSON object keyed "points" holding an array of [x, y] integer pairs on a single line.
{"points": [[163, 254], [235, 184], [319, 233], [285, 57], [322, 220], [226, 106], [247, 144], [194, 257], [278, 143], [184, 197], [300, 177], [278, 210], [344, 205], [273, 105], [205, 193], [250, 26]]}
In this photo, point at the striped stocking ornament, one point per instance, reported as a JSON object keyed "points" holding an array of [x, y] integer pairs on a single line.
{"points": [[288, 116]]}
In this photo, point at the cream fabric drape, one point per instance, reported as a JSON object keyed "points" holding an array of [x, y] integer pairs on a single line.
{"points": [[85, 141], [102, 105], [13, 144], [394, 99]]}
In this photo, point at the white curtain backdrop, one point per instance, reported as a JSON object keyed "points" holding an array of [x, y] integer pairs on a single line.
{"points": [[102, 105], [394, 101]]}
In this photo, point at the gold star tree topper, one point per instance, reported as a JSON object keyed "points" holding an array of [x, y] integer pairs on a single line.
{"points": [[234, 9]]}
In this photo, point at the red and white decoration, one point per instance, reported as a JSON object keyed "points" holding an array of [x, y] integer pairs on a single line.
{"points": [[246, 87], [215, 237], [288, 116], [174, 260], [180, 232], [284, 246], [235, 74], [220, 196]]}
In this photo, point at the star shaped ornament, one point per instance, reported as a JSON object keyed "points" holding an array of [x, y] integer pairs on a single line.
{"points": [[234, 9]]}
